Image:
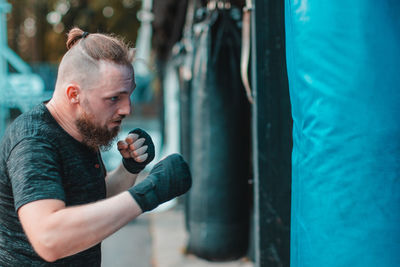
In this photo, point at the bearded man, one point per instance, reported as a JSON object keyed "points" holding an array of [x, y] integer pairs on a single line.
{"points": [[57, 202]]}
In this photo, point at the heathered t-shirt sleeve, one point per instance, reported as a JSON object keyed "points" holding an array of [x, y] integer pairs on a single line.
{"points": [[34, 171]]}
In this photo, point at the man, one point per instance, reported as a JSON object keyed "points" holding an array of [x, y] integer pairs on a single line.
{"points": [[57, 202]]}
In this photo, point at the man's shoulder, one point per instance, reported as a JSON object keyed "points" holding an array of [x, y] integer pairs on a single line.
{"points": [[38, 120], [34, 124]]}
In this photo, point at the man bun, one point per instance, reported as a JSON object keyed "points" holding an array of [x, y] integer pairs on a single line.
{"points": [[73, 36], [100, 46]]}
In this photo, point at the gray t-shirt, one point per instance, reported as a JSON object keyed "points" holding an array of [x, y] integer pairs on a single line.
{"points": [[39, 160]]}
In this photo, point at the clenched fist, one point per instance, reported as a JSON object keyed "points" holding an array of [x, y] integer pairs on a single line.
{"points": [[137, 150], [169, 178]]}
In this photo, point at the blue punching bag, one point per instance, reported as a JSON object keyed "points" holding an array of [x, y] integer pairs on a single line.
{"points": [[343, 60]]}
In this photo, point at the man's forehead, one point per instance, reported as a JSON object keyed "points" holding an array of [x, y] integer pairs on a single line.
{"points": [[114, 76], [106, 66]]}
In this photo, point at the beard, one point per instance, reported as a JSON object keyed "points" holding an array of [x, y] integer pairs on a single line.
{"points": [[95, 136]]}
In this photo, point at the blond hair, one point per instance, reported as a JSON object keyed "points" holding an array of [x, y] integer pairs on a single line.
{"points": [[86, 51]]}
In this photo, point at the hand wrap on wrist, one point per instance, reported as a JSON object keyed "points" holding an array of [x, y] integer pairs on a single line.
{"points": [[168, 179], [132, 165]]}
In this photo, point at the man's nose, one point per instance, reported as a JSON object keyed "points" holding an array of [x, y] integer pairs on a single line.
{"points": [[125, 108]]}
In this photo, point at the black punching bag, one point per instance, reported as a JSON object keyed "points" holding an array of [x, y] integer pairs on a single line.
{"points": [[220, 141]]}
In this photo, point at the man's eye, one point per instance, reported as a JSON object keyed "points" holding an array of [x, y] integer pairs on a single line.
{"points": [[114, 98]]}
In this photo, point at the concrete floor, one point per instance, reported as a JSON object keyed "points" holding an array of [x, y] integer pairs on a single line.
{"points": [[130, 246], [156, 239]]}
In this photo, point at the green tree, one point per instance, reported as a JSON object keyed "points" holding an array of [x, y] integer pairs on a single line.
{"points": [[37, 29]]}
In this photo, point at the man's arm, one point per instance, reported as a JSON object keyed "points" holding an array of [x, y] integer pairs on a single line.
{"points": [[56, 231], [119, 180]]}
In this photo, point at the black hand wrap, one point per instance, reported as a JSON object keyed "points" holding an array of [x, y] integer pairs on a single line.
{"points": [[168, 179], [132, 165]]}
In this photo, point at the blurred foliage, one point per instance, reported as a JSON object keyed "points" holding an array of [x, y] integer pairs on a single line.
{"points": [[37, 28]]}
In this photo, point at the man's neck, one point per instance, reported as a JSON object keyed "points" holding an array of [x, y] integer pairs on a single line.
{"points": [[64, 118]]}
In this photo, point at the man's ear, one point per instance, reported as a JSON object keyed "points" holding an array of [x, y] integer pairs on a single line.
{"points": [[73, 92]]}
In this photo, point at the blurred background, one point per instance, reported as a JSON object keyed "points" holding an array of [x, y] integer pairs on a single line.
{"points": [[199, 66]]}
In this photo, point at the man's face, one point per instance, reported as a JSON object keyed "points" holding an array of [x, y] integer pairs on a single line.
{"points": [[105, 105]]}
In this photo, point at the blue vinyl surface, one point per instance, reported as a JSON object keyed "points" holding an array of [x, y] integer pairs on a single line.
{"points": [[343, 60]]}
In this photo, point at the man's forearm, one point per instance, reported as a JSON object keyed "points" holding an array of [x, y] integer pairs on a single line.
{"points": [[56, 231], [119, 180], [68, 231]]}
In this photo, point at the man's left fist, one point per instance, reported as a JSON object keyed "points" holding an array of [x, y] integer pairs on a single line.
{"points": [[137, 150]]}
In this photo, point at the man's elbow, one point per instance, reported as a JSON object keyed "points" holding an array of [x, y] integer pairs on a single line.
{"points": [[48, 257], [46, 254], [47, 249]]}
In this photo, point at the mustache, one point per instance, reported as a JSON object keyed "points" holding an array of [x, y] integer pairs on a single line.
{"points": [[119, 118]]}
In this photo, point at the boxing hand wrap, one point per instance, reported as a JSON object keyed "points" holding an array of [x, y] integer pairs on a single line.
{"points": [[130, 164], [168, 179]]}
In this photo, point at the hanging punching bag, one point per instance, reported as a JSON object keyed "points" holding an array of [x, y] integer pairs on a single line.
{"points": [[343, 60], [220, 138]]}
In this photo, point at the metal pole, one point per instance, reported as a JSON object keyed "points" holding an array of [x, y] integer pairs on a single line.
{"points": [[143, 43], [4, 9], [271, 135]]}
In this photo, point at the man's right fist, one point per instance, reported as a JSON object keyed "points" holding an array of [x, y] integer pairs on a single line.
{"points": [[132, 162], [169, 178]]}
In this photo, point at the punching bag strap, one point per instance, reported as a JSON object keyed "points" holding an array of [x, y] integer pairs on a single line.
{"points": [[245, 53]]}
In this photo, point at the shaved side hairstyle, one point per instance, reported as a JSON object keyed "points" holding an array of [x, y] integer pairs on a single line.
{"points": [[81, 62]]}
